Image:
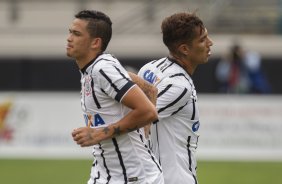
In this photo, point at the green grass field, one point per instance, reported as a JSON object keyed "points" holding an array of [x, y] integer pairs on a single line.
{"points": [[77, 172]]}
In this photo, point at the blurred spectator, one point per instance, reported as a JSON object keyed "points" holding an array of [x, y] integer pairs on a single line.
{"points": [[259, 84], [240, 72], [231, 72]]}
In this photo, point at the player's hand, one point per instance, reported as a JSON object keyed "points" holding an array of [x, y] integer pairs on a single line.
{"points": [[85, 136]]}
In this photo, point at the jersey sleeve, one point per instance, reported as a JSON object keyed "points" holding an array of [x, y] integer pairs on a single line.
{"points": [[149, 74], [172, 97], [114, 81], [141, 72]]}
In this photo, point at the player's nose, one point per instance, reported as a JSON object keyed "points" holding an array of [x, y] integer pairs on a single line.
{"points": [[210, 42]]}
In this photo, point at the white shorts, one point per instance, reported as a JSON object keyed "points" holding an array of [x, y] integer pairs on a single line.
{"points": [[148, 180]]}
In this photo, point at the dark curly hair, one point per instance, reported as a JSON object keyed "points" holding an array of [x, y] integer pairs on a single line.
{"points": [[99, 25], [180, 28]]}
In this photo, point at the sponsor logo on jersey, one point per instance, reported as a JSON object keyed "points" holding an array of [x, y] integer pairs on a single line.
{"points": [[133, 179], [196, 126], [93, 120], [150, 76]]}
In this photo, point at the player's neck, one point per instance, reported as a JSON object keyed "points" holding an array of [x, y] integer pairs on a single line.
{"points": [[184, 63], [83, 61]]}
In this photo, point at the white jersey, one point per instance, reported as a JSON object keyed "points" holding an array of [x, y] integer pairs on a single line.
{"points": [[125, 158], [175, 135]]}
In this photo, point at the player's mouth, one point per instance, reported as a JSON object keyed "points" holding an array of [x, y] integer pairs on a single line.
{"points": [[69, 46]]}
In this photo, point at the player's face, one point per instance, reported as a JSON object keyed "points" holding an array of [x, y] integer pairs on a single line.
{"points": [[200, 50], [79, 40]]}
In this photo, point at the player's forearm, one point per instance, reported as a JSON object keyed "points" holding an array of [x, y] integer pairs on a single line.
{"points": [[133, 121]]}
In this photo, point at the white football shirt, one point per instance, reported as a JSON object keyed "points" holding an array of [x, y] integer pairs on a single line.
{"points": [[175, 135], [125, 158]]}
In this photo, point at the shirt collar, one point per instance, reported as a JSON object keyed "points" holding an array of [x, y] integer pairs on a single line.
{"points": [[83, 70]]}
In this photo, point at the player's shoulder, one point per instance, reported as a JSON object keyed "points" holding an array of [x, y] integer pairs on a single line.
{"points": [[176, 80], [174, 84], [153, 63], [179, 76], [104, 62], [106, 59], [150, 71]]}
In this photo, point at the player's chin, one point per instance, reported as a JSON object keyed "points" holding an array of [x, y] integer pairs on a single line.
{"points": [[204, 60], [69, 54]]}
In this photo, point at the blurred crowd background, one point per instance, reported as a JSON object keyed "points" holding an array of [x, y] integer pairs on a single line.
{"points": [[246, 56]]}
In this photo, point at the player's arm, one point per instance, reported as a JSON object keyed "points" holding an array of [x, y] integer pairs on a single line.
{"points": [[142, 113], [150, 91]]}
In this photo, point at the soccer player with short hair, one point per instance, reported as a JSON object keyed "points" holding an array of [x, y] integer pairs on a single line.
{"points": [[114, 107], [175, 134]]}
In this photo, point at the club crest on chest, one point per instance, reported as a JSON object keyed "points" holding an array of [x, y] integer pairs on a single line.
{"points": [[87, 87]]}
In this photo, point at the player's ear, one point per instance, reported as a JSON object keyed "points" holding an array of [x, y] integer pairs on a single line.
{"points": [[184, 49], [96, 43]]}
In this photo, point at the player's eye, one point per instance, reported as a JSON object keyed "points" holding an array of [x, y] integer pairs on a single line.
{"points": [[76, 33], [203, 39]]}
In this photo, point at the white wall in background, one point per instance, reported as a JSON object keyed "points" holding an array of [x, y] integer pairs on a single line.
{"points": [[240, 127], [39, 125]]}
